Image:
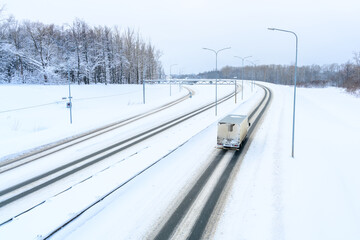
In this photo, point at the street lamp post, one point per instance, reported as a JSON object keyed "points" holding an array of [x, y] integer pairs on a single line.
{"points": [[252, 82], [70, 104], [170, 76], [144, 75], [235, 92], [242, 75], [293, 127], [216, 54]]}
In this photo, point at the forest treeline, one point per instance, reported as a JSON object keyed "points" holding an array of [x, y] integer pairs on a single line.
{"points": [[345, 75], [33, 52]]}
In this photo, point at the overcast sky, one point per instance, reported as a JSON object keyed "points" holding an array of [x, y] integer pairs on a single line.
{"points": [[328, 30]]}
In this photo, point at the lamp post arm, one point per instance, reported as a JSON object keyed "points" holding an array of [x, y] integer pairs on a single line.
{"points": [[210, 50], [223, 49], [282, 30], [243, 58]]}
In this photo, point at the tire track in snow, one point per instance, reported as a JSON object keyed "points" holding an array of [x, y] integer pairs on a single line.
{"points": [[199, 227]]}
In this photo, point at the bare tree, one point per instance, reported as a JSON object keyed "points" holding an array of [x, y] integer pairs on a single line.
{"points": [[86, 54]]}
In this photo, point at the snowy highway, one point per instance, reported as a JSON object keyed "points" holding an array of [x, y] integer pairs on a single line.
{"points": [[22, 180], [268, 196], [58, 173], [191, 224]]}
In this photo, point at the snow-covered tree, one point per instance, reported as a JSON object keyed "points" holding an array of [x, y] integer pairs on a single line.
{"points": [[36, 52]]}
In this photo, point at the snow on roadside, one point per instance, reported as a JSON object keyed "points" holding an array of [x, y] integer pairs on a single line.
{"points": [[33, 115], [312, 196], [324, 195]]}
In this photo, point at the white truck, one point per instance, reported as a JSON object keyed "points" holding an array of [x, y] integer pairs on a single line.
{"points": [[232, 130]]}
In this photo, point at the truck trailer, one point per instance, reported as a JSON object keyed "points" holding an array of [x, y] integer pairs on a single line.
{"points": [[232, 130]]}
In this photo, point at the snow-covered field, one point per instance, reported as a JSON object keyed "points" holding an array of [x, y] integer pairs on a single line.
{"points": [[33, 115], [313, 196]]}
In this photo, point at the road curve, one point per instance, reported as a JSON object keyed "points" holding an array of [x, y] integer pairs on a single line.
{"points": [[174, 222]]}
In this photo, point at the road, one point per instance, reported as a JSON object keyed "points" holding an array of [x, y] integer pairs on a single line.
{"points": [[144, 151], [179, 224]]}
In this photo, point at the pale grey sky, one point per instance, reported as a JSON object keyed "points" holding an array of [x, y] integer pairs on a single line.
{"points": [[328, 30]]}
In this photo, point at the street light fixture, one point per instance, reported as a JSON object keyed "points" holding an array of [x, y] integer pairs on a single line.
{"points": [[252, 82], [170, 76], [70, 103], [242, 75], [144, 74], [293, 128], [216, 54]]}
